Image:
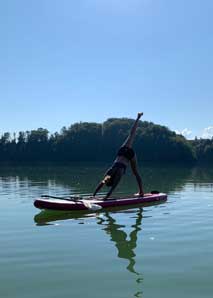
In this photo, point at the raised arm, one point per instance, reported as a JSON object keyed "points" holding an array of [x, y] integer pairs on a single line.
{"points": [[128, 142]]}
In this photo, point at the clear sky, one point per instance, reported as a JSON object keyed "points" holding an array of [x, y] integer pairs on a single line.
{"points": [[88, 60]]}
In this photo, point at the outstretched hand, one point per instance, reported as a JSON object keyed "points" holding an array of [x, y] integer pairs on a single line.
{"points": [[140, 115]]}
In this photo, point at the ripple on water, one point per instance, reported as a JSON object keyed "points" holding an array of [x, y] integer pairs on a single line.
{"points": [[164, 249]]}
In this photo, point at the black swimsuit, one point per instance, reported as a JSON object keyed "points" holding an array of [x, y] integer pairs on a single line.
{"points": [[118, 168], [127, 152]]}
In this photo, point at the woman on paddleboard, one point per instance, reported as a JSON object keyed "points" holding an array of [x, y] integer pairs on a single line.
{"points": [[125, 156]]}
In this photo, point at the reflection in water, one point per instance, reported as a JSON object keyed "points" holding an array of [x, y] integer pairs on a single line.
{"points": [[82, 178], [188, 226], [119, 237], [125, 248], [48, 217]]}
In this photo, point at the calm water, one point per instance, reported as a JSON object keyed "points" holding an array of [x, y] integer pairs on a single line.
{"points": [[161, 250]]}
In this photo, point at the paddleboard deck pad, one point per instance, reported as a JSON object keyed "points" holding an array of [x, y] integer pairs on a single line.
{"points": [[74, 204]]}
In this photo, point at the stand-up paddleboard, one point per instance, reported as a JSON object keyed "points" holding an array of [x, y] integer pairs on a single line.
{"points": [[45, 217], [73, 203]]}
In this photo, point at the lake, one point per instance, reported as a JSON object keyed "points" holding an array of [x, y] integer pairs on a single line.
{"points": [[160, 250]]}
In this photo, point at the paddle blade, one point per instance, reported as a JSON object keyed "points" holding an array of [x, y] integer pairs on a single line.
{"points": [[91, 206]]}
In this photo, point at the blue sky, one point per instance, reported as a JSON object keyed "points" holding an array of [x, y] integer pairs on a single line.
{"points": [[88, 60]]}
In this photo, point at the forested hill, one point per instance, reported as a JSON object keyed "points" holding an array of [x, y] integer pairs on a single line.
{"points": [[99, 142]]}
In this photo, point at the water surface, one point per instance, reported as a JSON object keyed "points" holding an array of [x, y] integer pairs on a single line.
{"points": [[158, 250]]}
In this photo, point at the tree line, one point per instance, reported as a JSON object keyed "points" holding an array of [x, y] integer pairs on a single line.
{"points": [[86, 141]]}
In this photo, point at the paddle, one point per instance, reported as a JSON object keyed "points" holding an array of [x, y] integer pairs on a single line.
{"points": [[70, 198], [87, 204]]}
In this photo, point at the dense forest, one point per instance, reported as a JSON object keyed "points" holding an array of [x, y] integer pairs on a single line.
{"points": [[99, 142]]}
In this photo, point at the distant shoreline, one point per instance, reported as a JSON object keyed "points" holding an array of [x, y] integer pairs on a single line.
{"points": [[95, 142]]}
